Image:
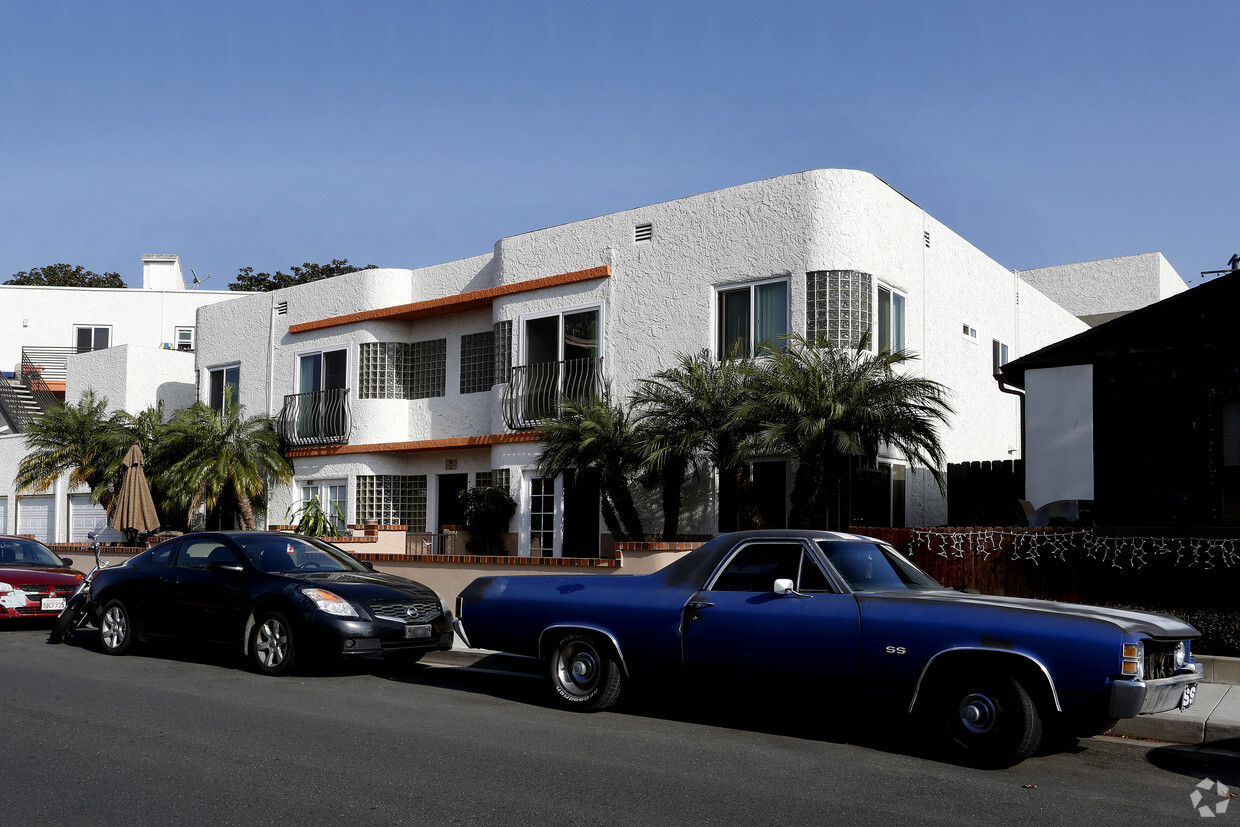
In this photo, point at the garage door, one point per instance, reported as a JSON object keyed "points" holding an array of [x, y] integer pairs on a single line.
{"points": [[4, 515], [85, 517], [36, 516]]}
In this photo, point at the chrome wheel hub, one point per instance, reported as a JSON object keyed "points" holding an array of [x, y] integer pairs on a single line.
{"points": [[272, 643], [114, 628], [978, 713]]}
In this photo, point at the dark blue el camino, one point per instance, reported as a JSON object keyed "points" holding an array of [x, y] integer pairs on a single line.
{"points": [[990, 673]]}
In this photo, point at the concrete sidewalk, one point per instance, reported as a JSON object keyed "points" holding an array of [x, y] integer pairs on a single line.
{"points": [[1215, 716]]}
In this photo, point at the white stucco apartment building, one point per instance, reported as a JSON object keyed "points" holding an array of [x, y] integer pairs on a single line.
{"points": [[401, 386], [132, 346]]}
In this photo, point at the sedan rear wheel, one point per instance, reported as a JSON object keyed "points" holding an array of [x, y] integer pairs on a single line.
{"points": [[116, 628], [585, 676], [272, 646]]}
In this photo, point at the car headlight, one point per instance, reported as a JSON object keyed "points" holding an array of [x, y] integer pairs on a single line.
{"points": [[444, 607], [1133, 660], [5, 587], [330, 602], [1180, 655]]}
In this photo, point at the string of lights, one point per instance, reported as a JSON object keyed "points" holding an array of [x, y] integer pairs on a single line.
{"points": [[1131, 552]]}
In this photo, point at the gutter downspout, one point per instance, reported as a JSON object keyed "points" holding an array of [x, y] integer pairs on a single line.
{"points": [[1018, 392]]}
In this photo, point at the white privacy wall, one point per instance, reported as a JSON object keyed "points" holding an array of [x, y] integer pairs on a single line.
{"points": [[1109, 285], [1059, 421]]}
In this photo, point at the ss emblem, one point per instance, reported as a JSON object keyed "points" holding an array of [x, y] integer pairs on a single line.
{"points": [[896, 650]]}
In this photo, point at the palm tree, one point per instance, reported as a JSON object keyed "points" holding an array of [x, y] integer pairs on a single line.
{"points": [[596, 440], [218, 452], [695, 413], [73, 439], [830, 407]]}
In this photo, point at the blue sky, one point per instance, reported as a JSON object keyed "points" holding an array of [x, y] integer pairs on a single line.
{"points": [[405, 134]]}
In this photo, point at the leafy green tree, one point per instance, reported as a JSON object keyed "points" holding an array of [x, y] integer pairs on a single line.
{"points": [[65, 275], [598, 441], [247, 279], [218, 454], [73, 439], [831, 408], [693, 413]]}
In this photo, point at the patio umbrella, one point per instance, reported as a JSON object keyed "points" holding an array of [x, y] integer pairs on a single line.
{"points": [[135, 510]]}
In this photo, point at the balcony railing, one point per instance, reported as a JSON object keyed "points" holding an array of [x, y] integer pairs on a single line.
{"points": [[534, 392], [49, 362], [316, 418]]}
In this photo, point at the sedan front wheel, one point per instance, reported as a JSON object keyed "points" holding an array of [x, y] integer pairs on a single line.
{"points": [[116, 628], [272, 645]]}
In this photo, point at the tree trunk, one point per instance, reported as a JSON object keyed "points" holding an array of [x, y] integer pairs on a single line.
{"points": [[247, 514], [673, 478], [622, 498]]}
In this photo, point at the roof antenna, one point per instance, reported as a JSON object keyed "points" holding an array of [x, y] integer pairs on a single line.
{"points": [[197, 281]]}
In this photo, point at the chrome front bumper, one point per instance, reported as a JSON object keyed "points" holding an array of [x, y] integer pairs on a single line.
{"points": [[1132, 698]]}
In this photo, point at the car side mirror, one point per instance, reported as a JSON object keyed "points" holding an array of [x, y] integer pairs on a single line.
{"points": [[367, 564], [785, 586], [68, 562]]}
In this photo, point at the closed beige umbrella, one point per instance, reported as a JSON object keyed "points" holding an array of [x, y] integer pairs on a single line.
{"points": [[135, 510]]}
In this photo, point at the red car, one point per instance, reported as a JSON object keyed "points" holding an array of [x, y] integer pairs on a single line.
{"points": [[34, 580]]}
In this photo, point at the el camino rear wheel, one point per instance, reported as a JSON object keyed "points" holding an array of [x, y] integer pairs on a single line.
{"points": [[990, 720], [585, 675]]}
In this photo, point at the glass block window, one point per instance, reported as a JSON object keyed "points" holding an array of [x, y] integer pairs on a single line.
{"points": [[839, 305], [429, 374], [503, 351], [393, 499], [383, 370], [477, 362]]}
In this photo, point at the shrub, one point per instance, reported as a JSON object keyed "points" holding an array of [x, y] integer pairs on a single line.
{"points": [[487, 514]]}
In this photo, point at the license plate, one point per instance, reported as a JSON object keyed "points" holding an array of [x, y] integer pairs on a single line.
{"points": [[420, 630], [52, 604]]}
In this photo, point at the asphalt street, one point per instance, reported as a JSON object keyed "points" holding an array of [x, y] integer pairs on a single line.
{"points": [[192, 737]]}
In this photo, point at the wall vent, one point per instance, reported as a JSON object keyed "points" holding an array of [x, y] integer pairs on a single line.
{"points": [[281, 308], [926, 234], [643, 232]]}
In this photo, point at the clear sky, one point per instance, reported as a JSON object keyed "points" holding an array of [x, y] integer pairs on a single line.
{"points": [[405, 134]]}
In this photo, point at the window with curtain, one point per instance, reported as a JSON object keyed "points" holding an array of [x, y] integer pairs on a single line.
{"points": [[751, 319]]}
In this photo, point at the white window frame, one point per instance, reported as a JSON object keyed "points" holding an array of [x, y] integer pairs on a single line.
{"points": [[176, 338], [524, 318], [968, 332], [751, 286], [92, 328], [308, 488], [523, 538], [876, 345], [297, 356], [1000, 355], [223, 369], [891, 484]]}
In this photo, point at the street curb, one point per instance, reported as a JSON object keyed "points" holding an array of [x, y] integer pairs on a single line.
{"points": [[485, 659]]}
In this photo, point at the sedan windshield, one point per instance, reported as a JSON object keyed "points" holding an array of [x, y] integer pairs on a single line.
{"points": [[18, 552], [275, 554], [872, 567]]}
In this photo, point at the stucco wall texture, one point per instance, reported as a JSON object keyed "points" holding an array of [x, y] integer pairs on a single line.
{"points": [[1109, 285], [659, 301]]}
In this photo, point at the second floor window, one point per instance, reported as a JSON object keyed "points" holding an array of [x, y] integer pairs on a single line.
{"points": [[91, 338], [322, 371], [224, 381], [751, 318], [890, 320]]}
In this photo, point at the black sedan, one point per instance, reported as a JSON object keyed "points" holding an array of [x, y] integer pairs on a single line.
{"points": [[280, 597]]}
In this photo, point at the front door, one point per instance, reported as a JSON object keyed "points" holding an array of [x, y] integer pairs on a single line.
{"points": [[450, 511]]}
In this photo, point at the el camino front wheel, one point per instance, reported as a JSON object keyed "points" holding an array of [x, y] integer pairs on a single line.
{"points": [[584, 675], [990, 720]]}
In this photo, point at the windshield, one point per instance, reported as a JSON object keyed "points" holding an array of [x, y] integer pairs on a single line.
{"points": [[18, 552], [275, 554], [870, 567]]}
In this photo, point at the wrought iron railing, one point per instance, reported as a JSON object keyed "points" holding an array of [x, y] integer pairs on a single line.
{"points": [[316, 418], [33, 377], [534, 392], [16, 405], [50, 362], [420, 542]]}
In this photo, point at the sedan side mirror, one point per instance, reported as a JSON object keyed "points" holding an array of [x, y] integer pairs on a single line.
{"points": [[68, 561]]}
